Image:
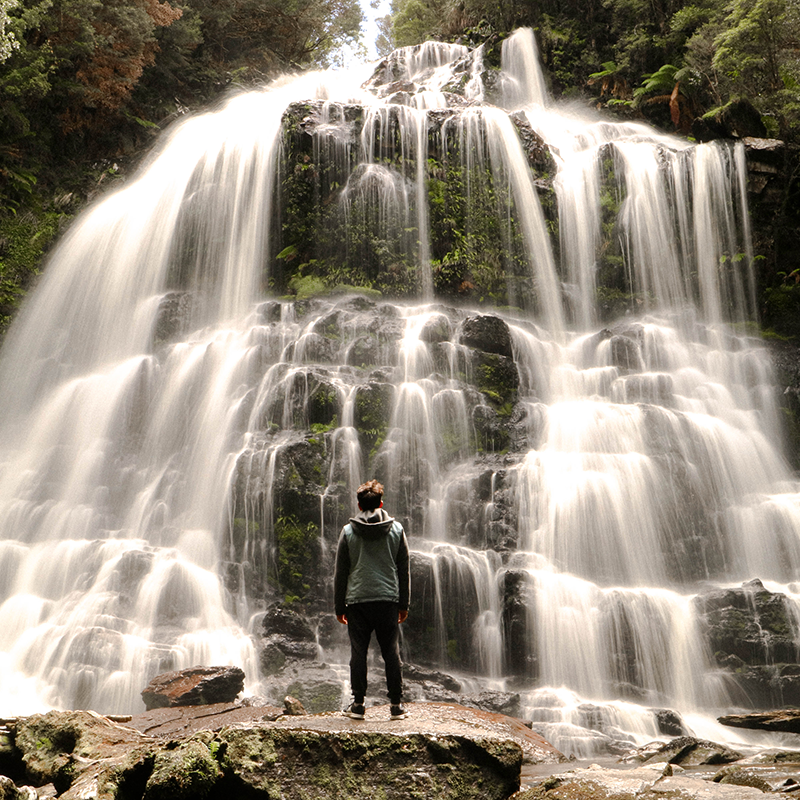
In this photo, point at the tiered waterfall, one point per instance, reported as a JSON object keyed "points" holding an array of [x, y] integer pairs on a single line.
{"points": [[180, 440]]}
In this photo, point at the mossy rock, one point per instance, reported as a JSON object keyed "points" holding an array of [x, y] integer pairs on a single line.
{"points": [[497, 378], [318, 697], [373, 411], [294, 764], [189, 771], [488, 333], [55, 747]]}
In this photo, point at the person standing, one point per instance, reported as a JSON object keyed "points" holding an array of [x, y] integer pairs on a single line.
{"points": [[371, 593]]}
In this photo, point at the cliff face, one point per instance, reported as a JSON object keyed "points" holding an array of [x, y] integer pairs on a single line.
{"points": [[774, 197]]}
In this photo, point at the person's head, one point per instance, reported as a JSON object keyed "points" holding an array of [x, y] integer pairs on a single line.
{"points": [[370, 495]]}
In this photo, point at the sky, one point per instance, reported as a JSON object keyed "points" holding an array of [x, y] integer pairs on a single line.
{"points": [[370, 28]]}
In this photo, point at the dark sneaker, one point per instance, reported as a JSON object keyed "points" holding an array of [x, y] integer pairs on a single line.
{"points": [[356, 711], [397, 711]]}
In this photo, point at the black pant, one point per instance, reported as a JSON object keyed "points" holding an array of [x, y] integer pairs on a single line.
{"points": [[362, 619]]}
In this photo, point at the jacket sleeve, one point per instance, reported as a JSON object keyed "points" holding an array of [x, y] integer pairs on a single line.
{"points": [[404, 573], [341, 573]]}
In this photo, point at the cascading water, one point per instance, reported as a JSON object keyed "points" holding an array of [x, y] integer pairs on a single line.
{"points": [[568, 489]]}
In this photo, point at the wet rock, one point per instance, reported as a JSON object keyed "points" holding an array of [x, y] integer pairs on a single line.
{"points": [[415, 674], [172, 317], [669, 722], [9, 791], [624, 353], [497, 378], [644, 783], [188, 771], [316, 686], [363, 352], [270, 311], [440, 751], [171, 724], [373, 409], [507, 703], [738, 119], [436, 330], [195, 686], [787, 720], [488, 333], [536, 149], [288, 636], [687, 751], [295, 764], [55, 747], [298, 479], [752, 635], [518, 591], [315, 349], [293, 707], [282, 619], [742, 776], [447, 590]]}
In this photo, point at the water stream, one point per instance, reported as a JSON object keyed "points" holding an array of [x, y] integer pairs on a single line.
{"points": [[138, 470]]}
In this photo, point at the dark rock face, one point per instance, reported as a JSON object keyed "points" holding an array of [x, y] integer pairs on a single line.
{"points": [[517, 601], [752, 635], [196, 686], [487, 333], [750, 623], [287, 636]]}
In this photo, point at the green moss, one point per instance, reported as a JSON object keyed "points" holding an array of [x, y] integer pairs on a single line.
{"points": [[296, 547], [189, 771], [373, 408], [781, 309], [308, 286], [498, 380]]}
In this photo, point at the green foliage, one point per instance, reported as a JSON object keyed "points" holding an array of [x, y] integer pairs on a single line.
{"points": [[23, 241], [8, 41], [83, 80], [296, 547], [660, 82]]}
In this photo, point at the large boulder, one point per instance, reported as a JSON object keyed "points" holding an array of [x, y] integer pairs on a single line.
{"points": [[295, 764], [195, 686], [56, 747], [687, 751], [440, 751], [488, 333]]}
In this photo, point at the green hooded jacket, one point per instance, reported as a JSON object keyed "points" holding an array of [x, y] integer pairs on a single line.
{"points": [[371, 562]]}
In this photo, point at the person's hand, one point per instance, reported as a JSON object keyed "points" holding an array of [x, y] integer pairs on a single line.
{"points": [[402, 616], [342, 618]]}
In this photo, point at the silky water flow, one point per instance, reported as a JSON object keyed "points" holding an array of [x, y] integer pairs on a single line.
{"points": [[121, 453]]}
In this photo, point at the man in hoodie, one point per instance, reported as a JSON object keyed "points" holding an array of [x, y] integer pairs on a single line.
{"points": [[371, 593]]}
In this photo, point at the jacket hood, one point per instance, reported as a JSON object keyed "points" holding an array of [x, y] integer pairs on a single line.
{"points": [[371, 524]]}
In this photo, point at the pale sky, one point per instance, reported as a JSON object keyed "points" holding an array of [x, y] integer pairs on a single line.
{"points": [[370, 28]]}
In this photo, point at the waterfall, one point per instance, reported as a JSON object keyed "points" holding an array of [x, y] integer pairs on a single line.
{"points": [[180, 445]]}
